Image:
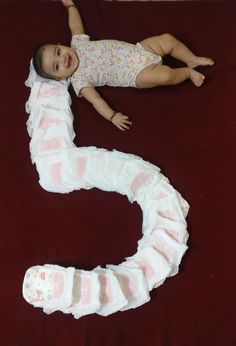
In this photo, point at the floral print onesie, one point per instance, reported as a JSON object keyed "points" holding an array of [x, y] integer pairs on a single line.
{"points": [[108, 62]]}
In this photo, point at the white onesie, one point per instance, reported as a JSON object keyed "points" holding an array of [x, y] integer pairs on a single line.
{"points": [[108, 62]]}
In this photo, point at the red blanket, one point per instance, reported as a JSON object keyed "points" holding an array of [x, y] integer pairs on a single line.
{"points": [[188, 132]]}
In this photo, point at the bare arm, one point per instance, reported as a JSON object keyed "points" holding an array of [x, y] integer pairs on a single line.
{"points": [[118, 119], [74, 18]]}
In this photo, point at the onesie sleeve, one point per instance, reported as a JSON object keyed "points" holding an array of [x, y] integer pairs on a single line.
{"points": [[75, 39], [80, 78]]}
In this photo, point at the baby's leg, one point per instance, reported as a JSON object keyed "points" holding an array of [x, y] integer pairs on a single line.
{"points": [[157, 75], [167, 44]]}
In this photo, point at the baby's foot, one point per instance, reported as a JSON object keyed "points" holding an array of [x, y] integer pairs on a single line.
{"points": [[200, 61], [196, 77]]}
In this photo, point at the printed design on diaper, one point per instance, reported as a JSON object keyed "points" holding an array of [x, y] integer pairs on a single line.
{"points": [[62, 168]]}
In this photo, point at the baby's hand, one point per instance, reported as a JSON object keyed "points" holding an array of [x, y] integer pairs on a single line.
{"points": [[67, 3], [121, 121]]}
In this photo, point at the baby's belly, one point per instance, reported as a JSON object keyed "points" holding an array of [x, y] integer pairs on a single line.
{"points": [[121, 67]]}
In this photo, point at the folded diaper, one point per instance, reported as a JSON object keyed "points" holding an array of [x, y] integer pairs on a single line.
{"points": [[168, 247], [49, 287], [164, 207], [155, 267], [111, 295], [86, 294], [133, 284]]}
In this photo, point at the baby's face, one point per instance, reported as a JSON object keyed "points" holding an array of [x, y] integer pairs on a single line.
{"points": [[59, 61]]}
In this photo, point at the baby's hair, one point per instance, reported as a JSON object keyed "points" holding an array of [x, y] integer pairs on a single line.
{"points": [[37, 61]]}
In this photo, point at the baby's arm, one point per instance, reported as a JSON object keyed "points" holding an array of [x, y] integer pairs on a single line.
{"points": [[74, 18], [118, 119]]}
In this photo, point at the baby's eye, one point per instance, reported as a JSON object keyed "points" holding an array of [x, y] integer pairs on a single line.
{"points": [[57, 67], [58, 51]]}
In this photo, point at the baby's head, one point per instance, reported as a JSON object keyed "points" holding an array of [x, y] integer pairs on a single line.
{"points": [[55, 61]]}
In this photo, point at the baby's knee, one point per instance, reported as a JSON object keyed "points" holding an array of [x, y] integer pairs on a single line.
{"points": [[168, 38]]}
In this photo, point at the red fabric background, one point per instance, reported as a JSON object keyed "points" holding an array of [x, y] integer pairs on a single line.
{"points": [[188, 132]]}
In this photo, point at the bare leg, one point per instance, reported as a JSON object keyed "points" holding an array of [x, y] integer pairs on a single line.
{"points": [[167, 44], [157, 75]]}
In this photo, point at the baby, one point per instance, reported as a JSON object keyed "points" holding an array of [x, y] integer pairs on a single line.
{"points": [[115, 63]]}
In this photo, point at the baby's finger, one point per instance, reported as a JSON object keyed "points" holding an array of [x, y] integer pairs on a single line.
{"points": [[128, 122], [120, 128], [124, 126]]}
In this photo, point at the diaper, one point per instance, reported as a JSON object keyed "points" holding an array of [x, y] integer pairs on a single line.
{"points": [[86, 294], [133, 284], [111, 296], [155, 267], [49, 287]]}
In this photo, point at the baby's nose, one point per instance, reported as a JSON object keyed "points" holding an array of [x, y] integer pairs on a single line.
{"points": [[62, 59]]}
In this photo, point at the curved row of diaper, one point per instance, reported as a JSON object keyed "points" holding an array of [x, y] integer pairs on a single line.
{"points": [[62, 168]]}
